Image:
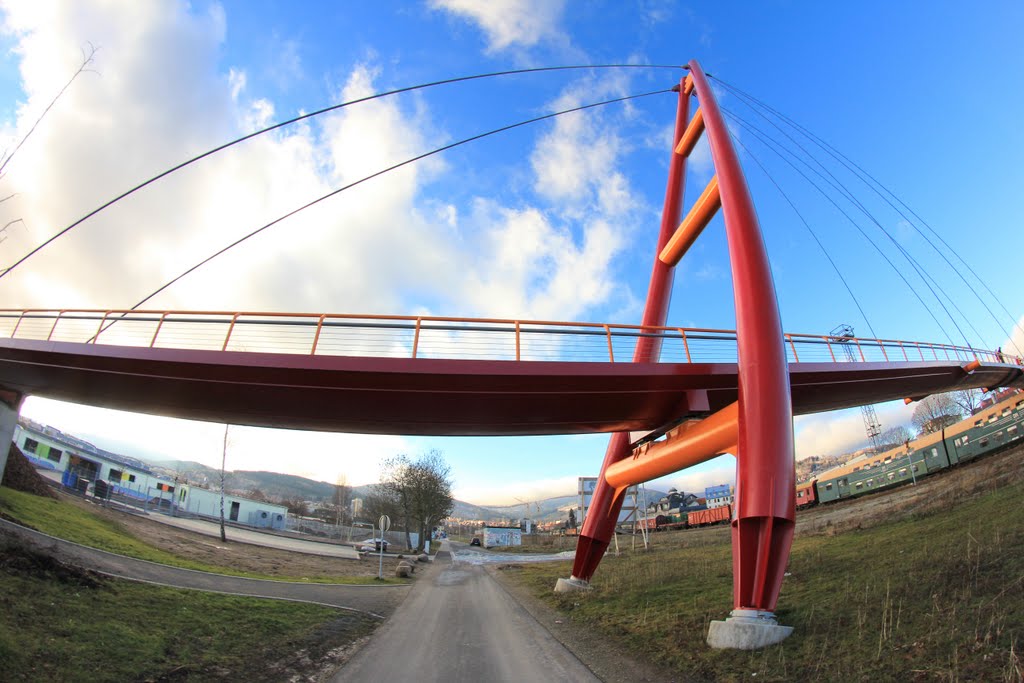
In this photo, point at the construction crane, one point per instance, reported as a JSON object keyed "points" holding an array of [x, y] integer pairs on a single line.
{"points": [[843, 335]]}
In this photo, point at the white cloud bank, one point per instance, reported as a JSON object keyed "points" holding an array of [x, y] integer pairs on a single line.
{"points": [[509, 23], [160, 95]]}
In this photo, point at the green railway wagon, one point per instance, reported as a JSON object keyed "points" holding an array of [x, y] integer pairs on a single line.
{"points": [[990, 430]]}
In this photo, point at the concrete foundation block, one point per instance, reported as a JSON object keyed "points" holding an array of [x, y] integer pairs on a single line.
{"points": [[571, 585], [747, 629]]}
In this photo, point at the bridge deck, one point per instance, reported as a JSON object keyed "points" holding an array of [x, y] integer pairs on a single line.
{"points": [[442, 396]]}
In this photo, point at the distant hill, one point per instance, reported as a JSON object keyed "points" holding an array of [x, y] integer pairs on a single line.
{"points": [[290, 486]]}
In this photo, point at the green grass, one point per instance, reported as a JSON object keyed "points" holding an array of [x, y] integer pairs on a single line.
{"points": [[65, 625], [72, 523], [936, 597]]}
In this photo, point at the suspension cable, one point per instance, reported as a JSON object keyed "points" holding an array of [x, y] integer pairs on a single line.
{"points": [[817, 187], [318, 112], [913, 263], [874, 185], [392, 168], [807, 225], [836, 183]]}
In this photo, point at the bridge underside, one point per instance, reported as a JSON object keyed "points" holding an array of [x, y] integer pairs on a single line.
{"points": [[442, 397]]}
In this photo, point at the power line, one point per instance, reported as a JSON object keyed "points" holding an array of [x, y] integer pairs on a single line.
{"points": [[318, 112], [874, 185], [810, 230], [845, 192], [757, 133], [392, 168]]}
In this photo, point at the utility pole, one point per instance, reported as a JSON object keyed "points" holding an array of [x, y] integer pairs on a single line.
{"points": [[223, 462]]}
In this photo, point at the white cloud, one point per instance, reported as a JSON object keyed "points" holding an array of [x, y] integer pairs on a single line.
{"points": [[1014, 343], [161, 96], [509, 23], [843, 431], [322, 456]]}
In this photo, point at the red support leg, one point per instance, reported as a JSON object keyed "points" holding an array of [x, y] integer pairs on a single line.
{"points": [[762, 527], [599, 524]]}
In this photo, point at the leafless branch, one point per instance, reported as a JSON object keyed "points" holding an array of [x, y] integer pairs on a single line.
{"points": [[87, 59]]}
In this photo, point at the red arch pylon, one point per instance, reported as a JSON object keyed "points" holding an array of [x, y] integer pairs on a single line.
{"points": [[765, 507]]}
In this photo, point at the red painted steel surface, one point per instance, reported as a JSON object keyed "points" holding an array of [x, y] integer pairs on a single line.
{"points": [[765, 477], [605, 503], [439, 396]]}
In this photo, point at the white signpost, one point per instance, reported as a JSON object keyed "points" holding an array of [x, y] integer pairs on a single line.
{"points": [[384, 523]]}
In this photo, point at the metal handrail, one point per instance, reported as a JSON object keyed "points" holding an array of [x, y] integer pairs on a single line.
{"points": [[112, 322]]}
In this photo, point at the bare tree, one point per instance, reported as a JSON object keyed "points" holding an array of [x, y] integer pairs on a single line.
{"points": [[968, 400], [934, 413], [421, 491], [5, 158], [893, 437]]}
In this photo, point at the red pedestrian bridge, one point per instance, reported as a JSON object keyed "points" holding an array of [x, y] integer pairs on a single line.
{"points": [[443, 376], [670, 397]]}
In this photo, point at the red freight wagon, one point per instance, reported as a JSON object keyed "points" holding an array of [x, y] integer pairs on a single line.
{"points": [[710, 516]]}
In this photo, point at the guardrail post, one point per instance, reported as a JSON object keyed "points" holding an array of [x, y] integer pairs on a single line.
{"points": [[227, 338], [416, 337], [611, 352], [860, 350], [796, 358], [160, 324], [99, 329], [21, 317], [517, 340], [55, 321], [686, 345], [320, 325]]}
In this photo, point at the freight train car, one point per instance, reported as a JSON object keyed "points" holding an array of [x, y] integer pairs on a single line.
{"points": [[709, 516]]}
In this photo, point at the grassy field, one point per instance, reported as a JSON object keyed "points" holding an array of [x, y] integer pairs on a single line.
{"points": [[931, 597], [64, 624], [73, 523]]}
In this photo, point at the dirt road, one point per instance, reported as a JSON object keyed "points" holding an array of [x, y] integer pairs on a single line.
{"points": [[458, 624]]}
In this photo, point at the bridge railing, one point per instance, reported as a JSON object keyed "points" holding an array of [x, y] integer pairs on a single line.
{"points": [[442, 337]]}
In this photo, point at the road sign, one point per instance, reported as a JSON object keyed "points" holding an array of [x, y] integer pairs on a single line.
{"points": [[384, 523]]}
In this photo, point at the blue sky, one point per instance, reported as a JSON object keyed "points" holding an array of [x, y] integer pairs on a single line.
{"points": [[555, 220]]}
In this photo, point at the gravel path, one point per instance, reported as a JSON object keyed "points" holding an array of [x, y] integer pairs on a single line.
{"points": [[377, 601]]}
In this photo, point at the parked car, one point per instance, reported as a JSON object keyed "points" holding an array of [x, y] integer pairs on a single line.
{"points": [[475, 541], [373, 545]]}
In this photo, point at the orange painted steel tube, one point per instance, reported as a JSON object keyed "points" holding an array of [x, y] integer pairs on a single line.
{"points": [[316, 336], [156, 332], [692, 134], [792, 345], [517, 340], [704, 440], [686, 345], [972, 366], [227, 337], [688, 84], [689, 230], [416, 338], [611, 352]]}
